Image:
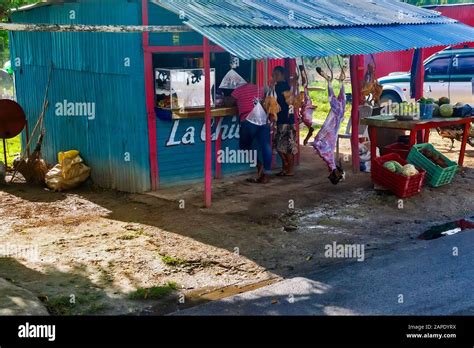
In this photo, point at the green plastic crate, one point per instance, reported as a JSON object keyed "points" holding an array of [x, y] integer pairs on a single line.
{"points": [[435, 175]]}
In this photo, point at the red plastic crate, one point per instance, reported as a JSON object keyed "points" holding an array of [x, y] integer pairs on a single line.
{"points": [[400, 185], [399, 148]]}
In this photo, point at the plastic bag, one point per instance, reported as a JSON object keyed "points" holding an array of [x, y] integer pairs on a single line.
{"points": [[257, 116], [232, 80], [69, 173], [366, 157]]}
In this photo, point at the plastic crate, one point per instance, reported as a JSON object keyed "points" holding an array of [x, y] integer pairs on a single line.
{"points": [[399, 148], [435, 175], [400, 185]]}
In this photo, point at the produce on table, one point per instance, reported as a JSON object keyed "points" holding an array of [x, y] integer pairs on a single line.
{"points": [[446, 110], [424, 100], [434, 157], [443, 101], [409, 170], [436, 110]]}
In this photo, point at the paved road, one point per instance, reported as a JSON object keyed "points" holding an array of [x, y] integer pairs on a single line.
{"points": [[431, 280]]}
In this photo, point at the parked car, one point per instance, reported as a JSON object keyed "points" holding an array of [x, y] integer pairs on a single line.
{"points": [[448, 73]]}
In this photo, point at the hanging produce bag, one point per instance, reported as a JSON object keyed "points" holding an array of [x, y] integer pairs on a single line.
{"points": [[69, 173], [271, 104], [257, 116], [232, 80]]}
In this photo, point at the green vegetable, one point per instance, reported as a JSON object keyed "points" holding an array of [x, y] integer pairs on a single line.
{"points": [[390, 165], [393, 166]]}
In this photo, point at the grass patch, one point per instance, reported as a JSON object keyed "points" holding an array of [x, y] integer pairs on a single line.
{"points": [[172, 261], [84, 304], [153, 293], [105, 277], [13, 148]]}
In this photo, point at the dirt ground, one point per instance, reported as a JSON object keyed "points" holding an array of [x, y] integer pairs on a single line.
{"points": [[89, 250]]}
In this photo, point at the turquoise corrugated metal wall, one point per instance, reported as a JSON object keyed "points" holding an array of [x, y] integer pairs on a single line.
{"points": [[160, 16], [105, 69], [181, 149]]}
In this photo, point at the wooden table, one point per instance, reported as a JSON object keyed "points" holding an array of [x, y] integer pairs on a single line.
{"points": [[199, 113], [419, 125]]}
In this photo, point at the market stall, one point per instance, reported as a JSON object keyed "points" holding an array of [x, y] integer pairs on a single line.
{"points": [[176, 142]]}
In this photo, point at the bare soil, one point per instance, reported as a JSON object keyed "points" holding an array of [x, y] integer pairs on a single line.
{"points": [[92, 248]]}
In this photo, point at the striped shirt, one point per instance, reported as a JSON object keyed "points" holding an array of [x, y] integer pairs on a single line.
{"points": [[245, 96]]}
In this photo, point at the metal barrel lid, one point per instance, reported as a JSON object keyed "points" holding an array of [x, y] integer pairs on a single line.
{"points": [[12, 119]]}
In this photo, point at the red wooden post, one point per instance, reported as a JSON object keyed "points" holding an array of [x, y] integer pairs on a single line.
{"points": [[420, 81], [355, 65], [467, 129], [150, 102], [208, 153], [373, 144], [218, 147]]}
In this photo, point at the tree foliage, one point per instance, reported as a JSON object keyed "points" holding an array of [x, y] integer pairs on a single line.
{"points": [[5, 10], [7, 5]]}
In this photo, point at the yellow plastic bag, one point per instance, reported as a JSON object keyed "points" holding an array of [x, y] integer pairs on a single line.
{"points": [[69, 173]]}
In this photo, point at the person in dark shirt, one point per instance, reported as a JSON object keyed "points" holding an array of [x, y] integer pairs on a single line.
{"points": [[285, 137]]}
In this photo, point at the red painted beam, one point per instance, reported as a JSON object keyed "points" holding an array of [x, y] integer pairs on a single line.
{"points": [[150, 103], [183, 49], [356, 65], [218, 147], [208, 151]]}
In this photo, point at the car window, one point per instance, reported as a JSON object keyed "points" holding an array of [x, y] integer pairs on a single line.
{"points": [[463, 65], [438, 66]]}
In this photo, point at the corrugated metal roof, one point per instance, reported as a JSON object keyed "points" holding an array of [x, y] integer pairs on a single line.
{"points": [[300, 13], [255, 43], [255, 29]]}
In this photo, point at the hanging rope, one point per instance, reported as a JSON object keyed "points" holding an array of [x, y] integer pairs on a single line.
{"points": [[342, 76], [329, 67]]}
